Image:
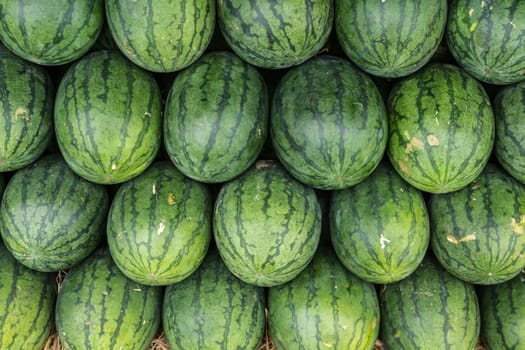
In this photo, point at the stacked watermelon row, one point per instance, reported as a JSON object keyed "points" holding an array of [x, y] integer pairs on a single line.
{"points": [[212, 168]]}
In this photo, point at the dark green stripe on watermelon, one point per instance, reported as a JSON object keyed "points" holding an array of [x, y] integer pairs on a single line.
{"points": [[328, 123], [162, 35], [212, 309], [27, 304], [390, 38], [99, 308], [159, 225], [108, 118], [50, 32], [51, 218], [216, 117]]}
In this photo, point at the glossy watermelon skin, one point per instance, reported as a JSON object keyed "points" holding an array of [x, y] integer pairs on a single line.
{"points": [[213, 309], [162, 35], [477, 232], [51, 218], [441, 128], [266, 224], [50, 32], [503, 314], [390, 39], [108, 118], [486, 38], [326, 306], [429, 309], [509, 111], [278, 33], [159, 225], [99, 308], [28, 304], [216, 117], [380, 227]]}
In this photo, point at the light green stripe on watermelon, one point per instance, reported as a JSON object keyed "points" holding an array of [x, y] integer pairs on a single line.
{"points": [[108, 118], [162, 35]]}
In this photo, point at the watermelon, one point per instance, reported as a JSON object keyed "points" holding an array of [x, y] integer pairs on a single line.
{"points": [[100, 308], [380, 227], [26, 111], [429, 309], [477, 233], [161, 35], [213, 309], [266, 224], [28, 304], [328, 123], [51, 218], [509, 113], [441, 128], [503, 314], [50, 32], [108, 118], [487, 39], [326, 306], [278, 33], [390, 38], [216, 116], [159, 225]]}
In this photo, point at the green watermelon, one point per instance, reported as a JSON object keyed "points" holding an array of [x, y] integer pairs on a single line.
{"points": [[51, 218], [429, 309], [266, 224], [159, 225], [212, 309], [325, 307], [278, 33], [509, 113], [503, 314], [477, 233], [380, 227], [108, 118], [50, 32], [328, 123], [216, 116], [441, 128], [26, 111], [100, 308], [161, 35], [487, 38], [390, 38], [28, 304]]}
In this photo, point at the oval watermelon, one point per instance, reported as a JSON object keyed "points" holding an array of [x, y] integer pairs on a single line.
{"points": [[159, 225]]}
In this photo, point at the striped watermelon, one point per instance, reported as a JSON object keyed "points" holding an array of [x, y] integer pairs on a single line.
{"points": [[328, 123], [51, 218], [509, 113], [503, 314], [50, 32], [278, 33], [28, 304], [216, 116], [477, 233], [429, 309], [212, 309], [99, 308], [108, 118], [325, 307], [266, 224], [390, 38], [441, 128], [380, 228], [159, 225], [161, 35], [487, 38]]}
